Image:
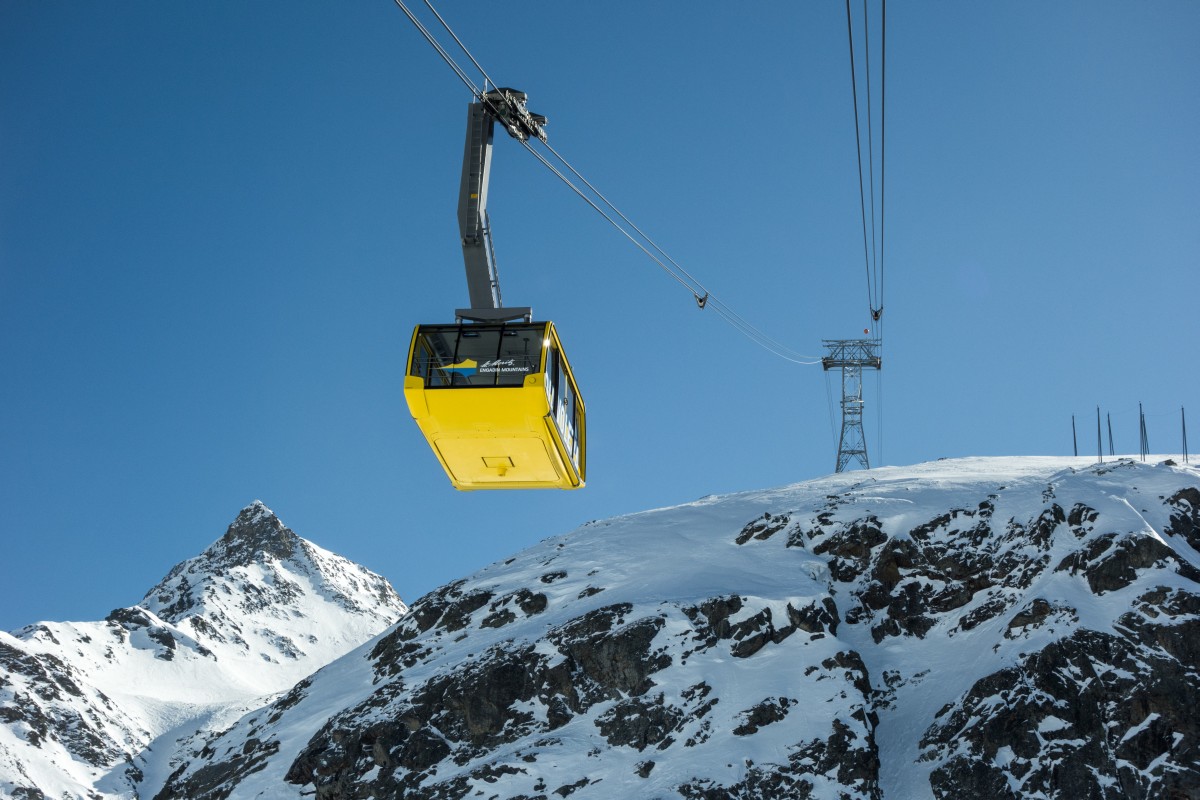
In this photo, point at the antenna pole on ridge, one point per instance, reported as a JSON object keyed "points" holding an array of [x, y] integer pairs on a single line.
{"points": [[1183, 420], [1145, 442]]}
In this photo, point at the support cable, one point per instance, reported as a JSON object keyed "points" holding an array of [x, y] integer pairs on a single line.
{"points": [[879, 407], [833, 437], [698, 290], [873, 234], [862, 195], [882, 164], [702, 296], [487, 78], [441, 51], [694, 286], [870, 148], [699, 287]]}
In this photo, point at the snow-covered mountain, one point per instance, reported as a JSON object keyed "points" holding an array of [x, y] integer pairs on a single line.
{"points": [[100, 709], [990, 628]]}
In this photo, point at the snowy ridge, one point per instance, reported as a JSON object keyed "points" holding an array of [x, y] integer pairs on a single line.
{"points": [[99, 708], [1020, 627], [992, 628]]}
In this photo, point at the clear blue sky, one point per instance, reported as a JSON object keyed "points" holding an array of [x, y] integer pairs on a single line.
{"points": [[219, 222]]}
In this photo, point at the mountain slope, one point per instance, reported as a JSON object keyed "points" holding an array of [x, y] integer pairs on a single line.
{"points": [[989, 627], [101, 708]]}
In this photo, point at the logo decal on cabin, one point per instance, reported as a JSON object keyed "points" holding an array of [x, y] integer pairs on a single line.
{"points": [[467, 366], [503, 365]]}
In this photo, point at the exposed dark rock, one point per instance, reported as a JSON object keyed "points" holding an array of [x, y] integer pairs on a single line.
{"points": [[1111, 562], [762, 528], [749, 635], [613, 660], [1185, 519], [853, 761], [849, 549], [1082, 519], [711, 618], [28, 793], [1088, 716], [770, 782], [1036, 613], [55, 708], [639, 722], [569, 789], [447, 610], [257, 532], [773, 709], [216, 781], [466, 713], [129, 618]]}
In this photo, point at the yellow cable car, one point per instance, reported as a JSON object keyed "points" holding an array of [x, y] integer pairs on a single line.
{"points": [[493, 393], [498, 404]]}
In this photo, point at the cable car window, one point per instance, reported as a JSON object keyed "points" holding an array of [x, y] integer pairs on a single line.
{"points": [[421, 359], [433, 356], [552, 370], [476, 355], [578, 444], [565, 417], [518, 354]]}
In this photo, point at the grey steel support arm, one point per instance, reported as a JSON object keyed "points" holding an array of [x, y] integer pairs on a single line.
{"points": [[483, 280]]}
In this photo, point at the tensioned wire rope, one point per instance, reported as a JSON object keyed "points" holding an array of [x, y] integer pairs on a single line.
{"points": [[873, 242], [873, 245], [691, 283], [703, 296]]}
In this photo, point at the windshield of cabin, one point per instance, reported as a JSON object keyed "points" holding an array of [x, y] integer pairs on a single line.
{"points": [[477, 355]]}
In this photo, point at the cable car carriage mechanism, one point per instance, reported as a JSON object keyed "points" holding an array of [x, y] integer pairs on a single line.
{"points": [[493, 392]]}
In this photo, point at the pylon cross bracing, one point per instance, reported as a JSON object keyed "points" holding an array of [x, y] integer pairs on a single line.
{"points": [[851, 356]]}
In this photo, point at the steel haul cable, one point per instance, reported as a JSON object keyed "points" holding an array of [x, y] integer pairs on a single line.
{"points": [[702, 295], [873, 241]]}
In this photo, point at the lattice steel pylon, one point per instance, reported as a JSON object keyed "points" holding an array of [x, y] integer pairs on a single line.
{"points": [[851, 356]]}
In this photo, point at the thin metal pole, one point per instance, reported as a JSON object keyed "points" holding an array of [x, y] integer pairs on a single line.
{"points": [[1110, 444], [1099, 440], [1183, 420], [1144, 444], [1074, 440]]}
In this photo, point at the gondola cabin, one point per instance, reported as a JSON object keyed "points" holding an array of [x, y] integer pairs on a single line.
{"points": [[498, 405]]}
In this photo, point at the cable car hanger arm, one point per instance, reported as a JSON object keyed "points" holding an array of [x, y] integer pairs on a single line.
{"points": [[479, 257]]}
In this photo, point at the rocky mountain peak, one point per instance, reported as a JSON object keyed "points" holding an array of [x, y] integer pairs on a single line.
{"points": [[256, 532], [261, 569], [97, 709]]}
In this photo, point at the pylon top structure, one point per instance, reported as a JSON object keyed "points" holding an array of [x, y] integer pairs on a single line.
{"points": [[851, 356]]}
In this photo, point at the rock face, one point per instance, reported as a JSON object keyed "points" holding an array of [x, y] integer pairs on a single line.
{"points": [[992, 628], [101, 709]]}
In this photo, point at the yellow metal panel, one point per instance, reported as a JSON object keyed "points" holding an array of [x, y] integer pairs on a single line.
{"points": [[526, 461], [493, 437]]}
